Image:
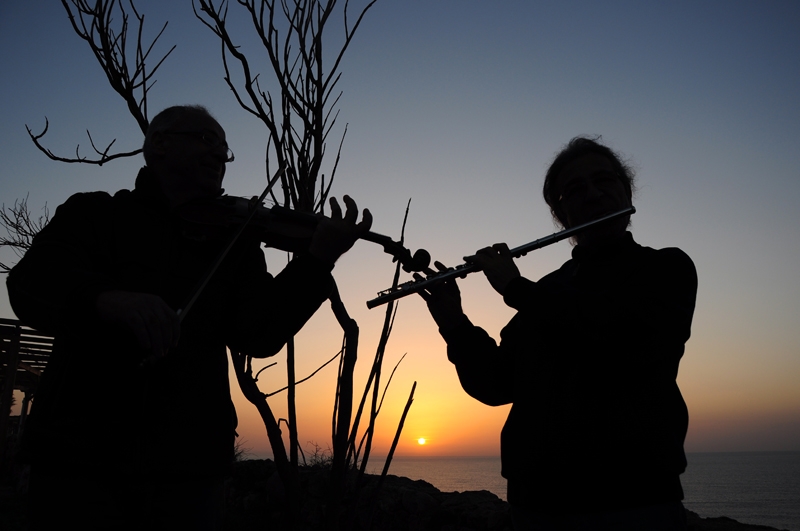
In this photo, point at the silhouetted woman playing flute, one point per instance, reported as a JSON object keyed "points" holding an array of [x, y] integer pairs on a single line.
{"points": [[594, 439]]}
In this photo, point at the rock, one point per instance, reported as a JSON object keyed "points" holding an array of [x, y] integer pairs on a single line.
{"points": [[256, 501], [417, 505], [721, 523], [403, 504]]}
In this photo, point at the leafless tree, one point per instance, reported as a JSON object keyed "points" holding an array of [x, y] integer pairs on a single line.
{"points": [[108, 40], [20, 228], [302, 114]]}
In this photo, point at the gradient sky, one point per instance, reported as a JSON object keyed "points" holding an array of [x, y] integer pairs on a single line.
{"points": [[460, 105]]}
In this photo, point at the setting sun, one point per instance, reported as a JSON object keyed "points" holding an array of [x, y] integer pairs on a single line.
{"points": [[421, 440]]}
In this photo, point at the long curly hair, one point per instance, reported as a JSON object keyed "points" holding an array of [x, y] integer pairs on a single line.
{"points": [[575, 149]]}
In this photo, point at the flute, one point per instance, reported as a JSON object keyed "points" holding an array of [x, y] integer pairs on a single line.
{"points": [[461, 271]]}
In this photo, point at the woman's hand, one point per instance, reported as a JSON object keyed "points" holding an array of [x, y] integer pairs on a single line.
{"points": [[497, 264], [443, 300]]}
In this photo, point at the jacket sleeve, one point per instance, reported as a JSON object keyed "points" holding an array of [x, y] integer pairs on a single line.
{"points": [[54, 286], [266, 312], [484, 368]]}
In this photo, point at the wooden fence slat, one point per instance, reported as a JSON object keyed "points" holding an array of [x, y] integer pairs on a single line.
{"points": [[28, 352]]}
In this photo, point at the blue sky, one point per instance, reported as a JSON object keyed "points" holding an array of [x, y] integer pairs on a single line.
{"points": [[460, 105]]}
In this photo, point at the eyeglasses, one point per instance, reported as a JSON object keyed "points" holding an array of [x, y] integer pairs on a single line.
{"points": [[210, 139], [601, 180]]}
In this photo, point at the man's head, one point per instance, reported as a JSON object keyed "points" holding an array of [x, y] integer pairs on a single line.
{"points": [[186, 149], [586, 181]]}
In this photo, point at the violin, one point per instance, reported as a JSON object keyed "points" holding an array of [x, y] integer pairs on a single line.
{"points": [[278, 227], [285, 229]]}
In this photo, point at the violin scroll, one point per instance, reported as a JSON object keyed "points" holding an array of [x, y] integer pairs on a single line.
{"points": [[421, 261], [415, 263]]}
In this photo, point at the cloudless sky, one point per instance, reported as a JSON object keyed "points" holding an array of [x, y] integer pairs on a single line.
{"points": [[459, 105]]}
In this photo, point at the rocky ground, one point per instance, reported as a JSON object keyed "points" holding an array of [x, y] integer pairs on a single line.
{"points": [[256, 501], [401, 504]]}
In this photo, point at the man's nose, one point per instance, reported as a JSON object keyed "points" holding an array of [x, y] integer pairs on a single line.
{"points": [[220, 152]]}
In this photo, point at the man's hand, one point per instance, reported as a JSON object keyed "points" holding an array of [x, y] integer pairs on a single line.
{"points": [[153, 323], [444, 301], [336, 235], [497, 264]]}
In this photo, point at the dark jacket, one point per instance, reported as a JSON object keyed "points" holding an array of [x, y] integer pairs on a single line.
{"points": [[589, 363], [98, 410]]}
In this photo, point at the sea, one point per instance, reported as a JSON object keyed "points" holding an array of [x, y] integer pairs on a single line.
{"points": [[760, 488]]}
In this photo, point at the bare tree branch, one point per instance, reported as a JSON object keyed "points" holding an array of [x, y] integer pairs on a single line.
{"points": [[20, 228], [307, 377], [294, 51], [104, 156], [108, 41]]}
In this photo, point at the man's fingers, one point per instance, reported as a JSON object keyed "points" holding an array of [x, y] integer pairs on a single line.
{"points": [[169, 323], [351, 215], [163, 326], [336, 210], [366, 221], [158, 328], [148, 333], [138, 326], [176, 331], [334, 236]]}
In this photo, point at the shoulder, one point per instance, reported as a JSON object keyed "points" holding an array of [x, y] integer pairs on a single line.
{"points": [[566, 270], [86, 205], [82, 216], [670, 257], [82, 206], [98, 202], [85, 200], [672, 267]]}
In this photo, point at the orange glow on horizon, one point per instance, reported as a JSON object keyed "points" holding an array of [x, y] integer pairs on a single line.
{"points": [[727, 412]]}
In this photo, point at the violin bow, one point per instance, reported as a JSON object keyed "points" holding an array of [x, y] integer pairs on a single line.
{"points": [[213, 269]]}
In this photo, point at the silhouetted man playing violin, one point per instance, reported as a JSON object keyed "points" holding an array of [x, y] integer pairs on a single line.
{"points": [[133, 425], [594, 439]]}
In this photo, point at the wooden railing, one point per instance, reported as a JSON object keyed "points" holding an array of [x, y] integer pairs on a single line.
{"points": [[24, 354]]}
